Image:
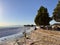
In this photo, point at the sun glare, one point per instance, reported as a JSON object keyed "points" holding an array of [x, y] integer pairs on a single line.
{"points": [[7, 24], [1, 11], [4, 24]]}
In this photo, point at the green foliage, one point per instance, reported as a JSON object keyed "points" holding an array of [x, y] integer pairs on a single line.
{"points": [[56, 13], [42, 17]]}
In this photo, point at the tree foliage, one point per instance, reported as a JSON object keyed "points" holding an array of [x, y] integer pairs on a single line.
{"points": [[42, 17], [56, 13]]}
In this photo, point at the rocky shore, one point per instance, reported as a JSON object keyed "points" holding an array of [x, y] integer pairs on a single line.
{"points": [[38, 37]]}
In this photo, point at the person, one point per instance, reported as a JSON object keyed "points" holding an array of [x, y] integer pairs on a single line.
{"points": [[24, 34], [35, 28]]}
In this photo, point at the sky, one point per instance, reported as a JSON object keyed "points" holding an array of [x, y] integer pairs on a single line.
{"points": [[20, 12]]}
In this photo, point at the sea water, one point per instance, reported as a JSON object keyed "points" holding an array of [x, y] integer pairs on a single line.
{"points": [[13, 33]]}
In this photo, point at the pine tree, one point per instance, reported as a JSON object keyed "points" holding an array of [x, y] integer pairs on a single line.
{"points": [[56, 13], [42, 17]]}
